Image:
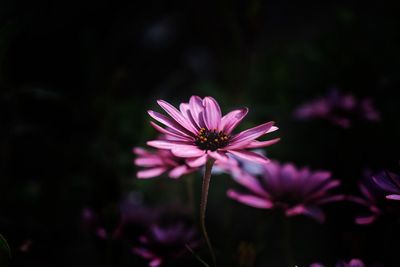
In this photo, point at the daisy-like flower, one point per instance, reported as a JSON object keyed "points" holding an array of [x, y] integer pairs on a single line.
{"points": [[165, 242], [160, 161], [296, 191], [198, 131], [390, 183], [339, 108], [371, 197]]}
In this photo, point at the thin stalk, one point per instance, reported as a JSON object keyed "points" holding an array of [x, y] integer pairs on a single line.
{"points": [[203, 206]]}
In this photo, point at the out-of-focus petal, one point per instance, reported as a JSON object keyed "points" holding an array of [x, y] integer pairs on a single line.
{"points": [[250, 200], [149, 173], [187, 151], [250, 156]]}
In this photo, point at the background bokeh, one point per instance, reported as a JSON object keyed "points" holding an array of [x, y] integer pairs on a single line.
{"points": [[76, 80]]}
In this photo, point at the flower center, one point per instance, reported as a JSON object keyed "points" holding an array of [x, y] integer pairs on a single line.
{"points": [[211, 140]]}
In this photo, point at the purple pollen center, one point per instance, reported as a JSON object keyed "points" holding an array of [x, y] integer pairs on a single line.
{"points": [[211, 140]]}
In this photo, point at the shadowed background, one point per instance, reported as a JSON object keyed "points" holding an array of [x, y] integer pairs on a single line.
{"points": [[76, 80]]}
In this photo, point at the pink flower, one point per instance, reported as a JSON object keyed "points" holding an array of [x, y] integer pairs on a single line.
{"points": [[370, 199], [198, 131], [296, 191], [339, 108], [159, 161]]}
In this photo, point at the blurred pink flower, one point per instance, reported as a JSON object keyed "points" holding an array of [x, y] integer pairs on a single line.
{"points": [[167, 241], [370, 198], [390, 183], [159, 161], [339, 108], [351, 263], [296, 191], [198, 131]]}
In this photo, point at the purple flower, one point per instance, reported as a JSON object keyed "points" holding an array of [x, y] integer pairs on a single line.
{"points": [[167, 241], [371, 196], [390, 183], [296, 191], [351, 263], [339, 108], [160, 161], [198, 131]]}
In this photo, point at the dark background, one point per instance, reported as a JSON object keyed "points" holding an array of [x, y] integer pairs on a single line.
{"points": [[76, 79]]}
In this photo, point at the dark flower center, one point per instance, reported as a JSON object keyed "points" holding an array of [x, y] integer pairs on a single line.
{"points": [[211, 140]]}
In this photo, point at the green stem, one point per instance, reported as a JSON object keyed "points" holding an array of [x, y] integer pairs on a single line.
{"points": [[203, 206]]}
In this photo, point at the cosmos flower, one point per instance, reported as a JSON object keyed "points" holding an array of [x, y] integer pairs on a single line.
{"points": [[351, 263], [390, 183], [296, 191], [198, 131], [159, 161], [167, 240], [370, 198], [339, 108]]}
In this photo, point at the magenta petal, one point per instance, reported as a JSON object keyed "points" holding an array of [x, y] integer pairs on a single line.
{"points": [[196, 109], [187, 151], [250, 200], [178, 171], [197, 162], [149, 173], [142, 252], [148, 161], [242, 139], [250, 183], [365, 219], [220, 156], [165, 144], [393, 197], [211, 113], [258, 144], [140, 151], [169, 122], [171, 133], [313, 212], [155, 263], [177, 116], [232, 119], [250, 156], [185, 110]]}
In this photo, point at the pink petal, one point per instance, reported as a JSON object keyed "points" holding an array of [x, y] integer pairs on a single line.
{"points": [[393, 197], [140, 151], [258, 144], [148, 161], [155, 263], [250, 156], [167, 132], [149, 173], [232, 119], [197, 162], [313, 212], [250, 183], [178, 171], [196, 109], [250, 200], [177, 116], [187, 151], [185, 110], [142, 252], [211, 113], [165, 144], [169, 123], [365, 219], [272, 129], [242, 139], [218, 155]]}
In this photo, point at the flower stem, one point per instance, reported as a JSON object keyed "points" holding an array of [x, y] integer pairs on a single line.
{"points": [[203, 206]]}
